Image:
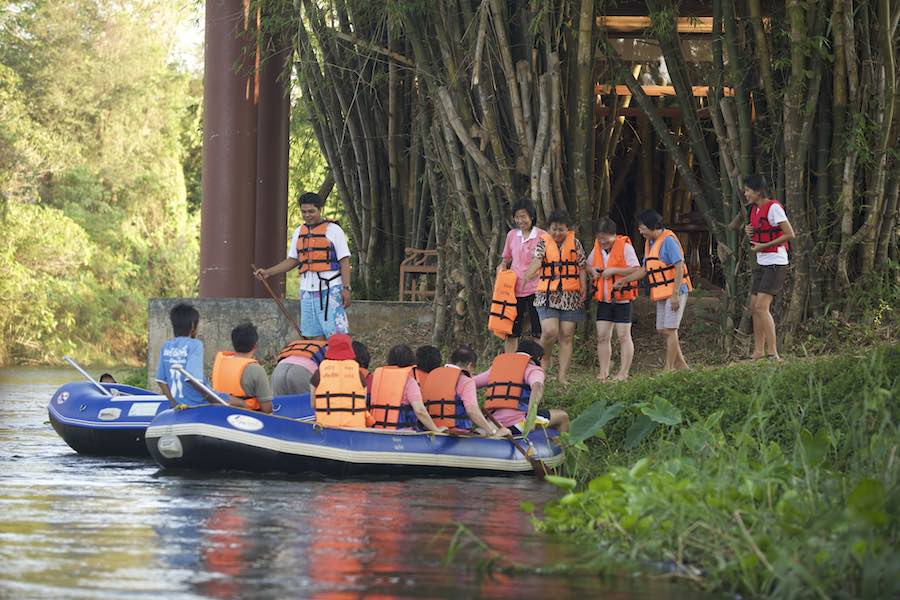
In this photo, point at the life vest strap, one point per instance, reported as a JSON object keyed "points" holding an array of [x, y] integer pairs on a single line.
{"points": [[492, 394], [350, 409]]}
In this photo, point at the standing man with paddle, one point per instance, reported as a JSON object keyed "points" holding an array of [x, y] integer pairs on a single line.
{"points": [[319, 248]]}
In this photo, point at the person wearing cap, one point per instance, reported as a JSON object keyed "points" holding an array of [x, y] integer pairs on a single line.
{"points": [[338, 387]]}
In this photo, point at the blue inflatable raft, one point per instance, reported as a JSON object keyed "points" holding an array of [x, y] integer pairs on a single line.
{"points": [[93, 422], [216, 437]]}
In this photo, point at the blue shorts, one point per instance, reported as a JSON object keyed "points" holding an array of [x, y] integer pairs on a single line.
{"points": [[572, 316], [313, 309]]}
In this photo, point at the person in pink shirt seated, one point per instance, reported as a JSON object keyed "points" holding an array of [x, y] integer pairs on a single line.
{"points": [[514, 383], [395, 399], [296, 364], [518, 253], [450, 396]]}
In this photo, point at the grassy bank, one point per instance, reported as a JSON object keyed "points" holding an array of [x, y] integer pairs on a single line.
{"points": [[771, 479]]}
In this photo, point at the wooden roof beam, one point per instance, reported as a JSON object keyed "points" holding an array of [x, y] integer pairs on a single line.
{"points": [[637, 24], [657, 90]]}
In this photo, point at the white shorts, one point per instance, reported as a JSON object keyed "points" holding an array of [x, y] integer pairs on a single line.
{"points": [[666, 318]]}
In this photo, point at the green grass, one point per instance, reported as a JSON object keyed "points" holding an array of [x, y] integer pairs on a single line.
{"points": [[767, 479]]}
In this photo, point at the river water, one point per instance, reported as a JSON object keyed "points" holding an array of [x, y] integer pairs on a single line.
{"points": [[72, 526]]}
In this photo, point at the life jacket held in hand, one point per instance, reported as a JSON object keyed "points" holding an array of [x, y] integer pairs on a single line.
{"points": [[311, 349], [660, 276], [559, 267], [386, 398], [506, 382], [503, 304], [763, 231], [226, 377], [603, 287], [444, 405], [340, 399]]}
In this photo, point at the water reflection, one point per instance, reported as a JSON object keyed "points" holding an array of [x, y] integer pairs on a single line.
{"points": [[74, 526]]}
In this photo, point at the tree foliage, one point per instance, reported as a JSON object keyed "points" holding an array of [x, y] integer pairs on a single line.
{"points": [[94, 145], [435, 116]]}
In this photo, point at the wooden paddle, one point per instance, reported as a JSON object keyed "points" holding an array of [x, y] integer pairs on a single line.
{"points": [[278, 301], [164, 388], [540, 469], [198, 385]]}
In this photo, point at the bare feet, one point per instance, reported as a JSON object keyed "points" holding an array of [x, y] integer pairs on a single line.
{"points": [[601, 377], [620, 377], [563, 381]]}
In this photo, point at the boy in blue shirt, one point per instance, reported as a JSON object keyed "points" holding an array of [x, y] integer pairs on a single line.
{"points": [[184, 350]]}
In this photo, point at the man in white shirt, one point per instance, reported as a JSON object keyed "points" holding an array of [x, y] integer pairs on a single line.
{"points": [[769, 232], [319, 248]]}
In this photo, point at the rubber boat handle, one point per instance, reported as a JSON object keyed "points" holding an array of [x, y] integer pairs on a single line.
{"points": [[84, 373], [211, 396]]}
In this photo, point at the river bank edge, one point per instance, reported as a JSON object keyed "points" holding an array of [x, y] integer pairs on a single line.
{"points": [[761, 478]]}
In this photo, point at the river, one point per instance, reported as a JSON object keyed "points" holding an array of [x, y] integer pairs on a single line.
{"points": [[79, 527]]}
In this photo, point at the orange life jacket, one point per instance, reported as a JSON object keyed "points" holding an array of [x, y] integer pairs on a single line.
{"points": [[503, 305], [386, 398], [315, 252], [615, 259], [763, 231], [559, 267], [340, 399], [444, 405], [226, 377], [304, 349], [660, 275], [506, 382]]}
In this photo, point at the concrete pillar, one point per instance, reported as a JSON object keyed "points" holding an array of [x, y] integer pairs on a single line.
{"points": [[229, 152], [273, 129]]}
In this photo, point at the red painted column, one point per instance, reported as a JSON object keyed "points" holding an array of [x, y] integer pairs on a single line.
{"points": [[229, 152], [273, 121]]}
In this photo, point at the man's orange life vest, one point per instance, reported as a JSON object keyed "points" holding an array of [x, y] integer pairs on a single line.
{"points": [[763, 231], [660, 275], [340, 399], [559, 267], [503, 304], [386, 398], [506, 382], [304, 349], [444, 405], [615, 259], [226, 377], [315, 252]]}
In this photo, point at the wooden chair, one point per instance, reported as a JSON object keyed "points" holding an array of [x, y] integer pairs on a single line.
{"points": [[415, 284]]}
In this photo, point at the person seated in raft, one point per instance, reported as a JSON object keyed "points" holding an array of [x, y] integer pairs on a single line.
{"points": [[514, 383], [364, 359], [296, 363], [107, 378], [428, 358], [450, 397], [338, 387], [239, 375], [395, 399], [184, 350]]}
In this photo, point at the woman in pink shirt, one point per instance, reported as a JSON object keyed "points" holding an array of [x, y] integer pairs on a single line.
{"points": [[517, 255], [533, 378]]}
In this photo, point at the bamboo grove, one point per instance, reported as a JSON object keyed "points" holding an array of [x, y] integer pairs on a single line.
{"points": [[436, 115]]}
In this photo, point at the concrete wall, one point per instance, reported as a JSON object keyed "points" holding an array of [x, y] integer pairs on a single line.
{"points": [[219, 315]]}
